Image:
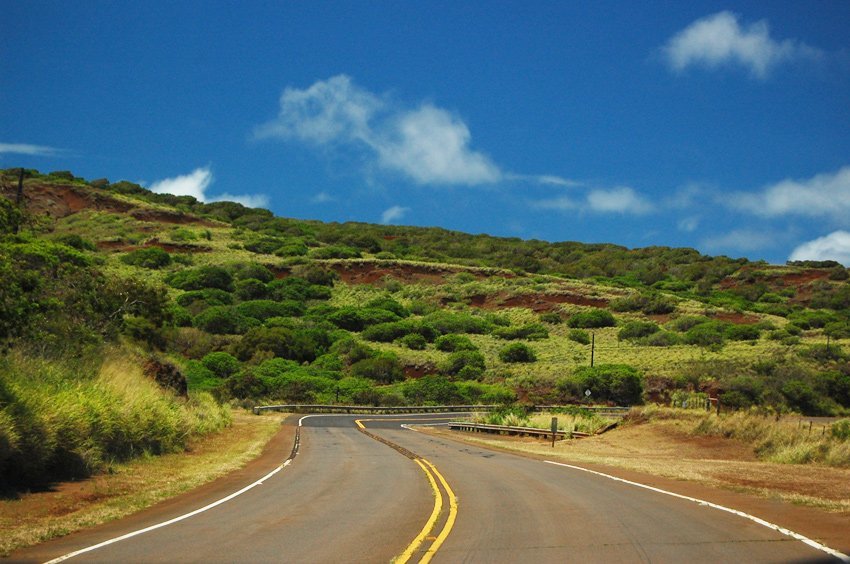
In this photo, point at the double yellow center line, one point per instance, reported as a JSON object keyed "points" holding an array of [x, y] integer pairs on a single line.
{"points": [[433, 476]]}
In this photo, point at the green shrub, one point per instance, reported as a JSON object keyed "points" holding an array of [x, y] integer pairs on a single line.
{"points": [[592, 319], [649, 304], [618, 383], [446, 322], [335, 252], [250, 270], [251, 289], [222, 320], [389, 332], [517, 352], [295, 288], [148, 257], [452, 343], [551, 317], [840, 430], [384, 369], [579, 336], [388, 304], [221, 364], [636, 330], [209, 296], [708, 334], [414, 341], [686, 322], [300, 345], [459, 360], [431, 389], [202, 277], [660, 339], [530, 331], [742, 332], [265, 309]]}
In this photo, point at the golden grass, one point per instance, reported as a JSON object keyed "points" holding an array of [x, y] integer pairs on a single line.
{"points": [[132, 486], [666, 447]]}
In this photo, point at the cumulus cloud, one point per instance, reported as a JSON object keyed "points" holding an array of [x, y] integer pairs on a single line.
{"points": [[427, 144], [196, 184], [720, 39], [823, 195], [688, 224], [27, 149], [393, 214], [621, 199], [835, 246]]}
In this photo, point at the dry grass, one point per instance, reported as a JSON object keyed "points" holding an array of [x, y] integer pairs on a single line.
{"points": [[666, 446], [130, 487]]}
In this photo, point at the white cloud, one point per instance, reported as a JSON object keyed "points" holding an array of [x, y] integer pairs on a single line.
{"points": [[27, 149], [744, 240], [835, 246], [823, 195], [322, 198], [393, 214], [621, 199], [196, 184], [688, 224], [720, 39], [618, 200], [427, 144]]}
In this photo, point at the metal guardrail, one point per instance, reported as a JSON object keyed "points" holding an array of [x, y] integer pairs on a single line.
{"points": [[344, 409], [510, 430]]}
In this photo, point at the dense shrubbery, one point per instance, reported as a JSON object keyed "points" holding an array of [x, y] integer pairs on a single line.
{"points": [[592, 319], [617, 383], [517, 352], [149, 257]]}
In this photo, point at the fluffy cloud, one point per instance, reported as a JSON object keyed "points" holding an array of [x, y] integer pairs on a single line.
{"points": [[621, 199], [427, 144], [823, 195], [26, 149], [393, 214], [197, 182], [835, 246], [618, 200], [720, 39]]}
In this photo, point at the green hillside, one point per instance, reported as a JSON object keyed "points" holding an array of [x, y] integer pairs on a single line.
{"points": [[223, 300]]}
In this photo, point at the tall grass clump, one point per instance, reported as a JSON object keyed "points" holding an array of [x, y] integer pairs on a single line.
{"points": [[783, 441], [71, 418]]}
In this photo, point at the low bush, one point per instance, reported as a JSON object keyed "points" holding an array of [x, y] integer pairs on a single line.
{"points": [[592, 319], [529, 331], [149, 257], [579, 336], [517, 352], [452, 343], [634, 330]]}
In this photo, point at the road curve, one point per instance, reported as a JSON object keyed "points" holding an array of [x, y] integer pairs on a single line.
{"points": [[347, 497]]}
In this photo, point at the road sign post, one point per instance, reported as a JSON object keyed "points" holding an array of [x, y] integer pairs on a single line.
{"points": [[554, 430]]}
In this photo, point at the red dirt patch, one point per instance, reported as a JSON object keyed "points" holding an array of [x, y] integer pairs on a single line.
{"points": [[539, 302], [736, 318]]}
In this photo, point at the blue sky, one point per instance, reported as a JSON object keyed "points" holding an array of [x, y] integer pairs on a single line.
{"points": [[719, 126]]}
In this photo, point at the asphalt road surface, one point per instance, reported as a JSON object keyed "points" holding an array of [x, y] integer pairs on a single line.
{"points": [[347, 497]]}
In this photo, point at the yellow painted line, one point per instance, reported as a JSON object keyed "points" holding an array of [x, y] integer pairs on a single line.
{"points": [[438, 506], [359, 424], [447, 528]]}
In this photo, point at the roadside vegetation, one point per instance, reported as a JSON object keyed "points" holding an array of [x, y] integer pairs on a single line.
{"points": [[225, 305]]}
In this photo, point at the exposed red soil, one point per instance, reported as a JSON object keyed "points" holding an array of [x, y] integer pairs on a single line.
{"points": [[419, 370], [62, 200], [735, 317], [371, 272], [537, 302]]}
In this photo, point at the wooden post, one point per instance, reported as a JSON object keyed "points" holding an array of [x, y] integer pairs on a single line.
{"points": [[554, 430], [592, 347]]}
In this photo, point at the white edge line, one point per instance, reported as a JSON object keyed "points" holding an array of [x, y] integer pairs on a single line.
{"points": [[259, 482], [814, 544]]}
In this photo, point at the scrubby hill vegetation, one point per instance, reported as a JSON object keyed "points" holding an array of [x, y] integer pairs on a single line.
{"points": [[234, 302]]}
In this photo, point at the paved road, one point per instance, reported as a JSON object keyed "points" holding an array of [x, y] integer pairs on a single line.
{"points": [[349, 498]]}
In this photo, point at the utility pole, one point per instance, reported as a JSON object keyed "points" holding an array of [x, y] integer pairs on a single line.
{"points": [[592, 347]]}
